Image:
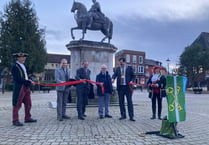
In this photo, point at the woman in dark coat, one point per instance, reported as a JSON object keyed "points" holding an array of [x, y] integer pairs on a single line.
{"points": [[156, 85]]}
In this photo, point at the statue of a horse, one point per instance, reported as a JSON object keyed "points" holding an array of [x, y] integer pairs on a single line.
{"points": [[82, 18]]}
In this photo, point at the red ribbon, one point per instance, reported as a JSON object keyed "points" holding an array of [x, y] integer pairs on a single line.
{"points": [[70, 83], [131, 89], [136, 84]]}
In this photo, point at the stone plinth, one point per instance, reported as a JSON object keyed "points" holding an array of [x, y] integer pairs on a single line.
{"points": [[96, 53]]}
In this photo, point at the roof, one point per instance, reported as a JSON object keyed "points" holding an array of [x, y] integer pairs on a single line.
{"points": [[202, 39], [124, 51], [56, 58], [152, 62]]}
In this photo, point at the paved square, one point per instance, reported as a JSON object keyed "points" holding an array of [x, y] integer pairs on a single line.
{"points": [[95, 131]]}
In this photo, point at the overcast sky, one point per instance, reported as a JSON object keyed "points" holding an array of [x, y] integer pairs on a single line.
{"points": [[161, 28]]}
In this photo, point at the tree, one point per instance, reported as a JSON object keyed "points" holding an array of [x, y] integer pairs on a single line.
{"points": [[194, 62], [19, 32]]}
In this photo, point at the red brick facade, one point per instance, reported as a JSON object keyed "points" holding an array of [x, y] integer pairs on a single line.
{"points": [[136, 59]]}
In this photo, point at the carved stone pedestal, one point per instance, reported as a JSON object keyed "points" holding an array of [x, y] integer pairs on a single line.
{"points": [[96, 53]]}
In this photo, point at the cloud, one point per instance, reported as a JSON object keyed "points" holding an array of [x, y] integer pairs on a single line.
{"points": [[159, 39], [161, 10]]}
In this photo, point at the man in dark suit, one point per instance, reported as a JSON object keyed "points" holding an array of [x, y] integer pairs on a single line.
{"points": [[21, 90], [82, 89], [124, 75], [62, 74]]}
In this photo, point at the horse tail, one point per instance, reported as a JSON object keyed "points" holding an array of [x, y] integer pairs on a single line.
{"points": [[111, 29]]}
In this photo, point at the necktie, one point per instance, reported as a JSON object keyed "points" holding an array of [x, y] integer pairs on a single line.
{"points": [[122, 75], [66, 74]]}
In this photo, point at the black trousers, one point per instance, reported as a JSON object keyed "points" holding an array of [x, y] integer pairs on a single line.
{"points": [[124, 90], [82, 100], [156, 96]]}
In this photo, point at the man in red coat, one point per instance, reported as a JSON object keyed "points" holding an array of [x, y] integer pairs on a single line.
{"points": [[21, 90]]}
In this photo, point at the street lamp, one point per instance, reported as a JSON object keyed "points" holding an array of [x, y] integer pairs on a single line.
{"points": [[168, 60]]}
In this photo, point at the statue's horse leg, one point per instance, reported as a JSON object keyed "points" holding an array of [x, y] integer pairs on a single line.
{"points": [[72, 29], [84, 28], [103, 39], [77, 28], [107, 30], [104, 31]]}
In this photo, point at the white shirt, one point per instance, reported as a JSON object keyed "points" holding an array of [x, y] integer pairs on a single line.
{"points": [[124, 76], [155, 77], [24, 69]]}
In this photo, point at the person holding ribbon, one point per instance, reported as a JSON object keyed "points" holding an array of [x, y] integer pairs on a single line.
{"points": [[124, 75], [62, 74], [156, 87], [104, 97], [82, 89], [21, 90]]}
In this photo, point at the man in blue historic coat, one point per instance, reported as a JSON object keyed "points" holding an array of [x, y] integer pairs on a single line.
{"points": [[21, 90]]}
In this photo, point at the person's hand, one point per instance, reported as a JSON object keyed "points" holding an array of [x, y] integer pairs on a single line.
{"points": [[27, 83], [32, 82], [113, 80], [84, 81], [154, 85]]}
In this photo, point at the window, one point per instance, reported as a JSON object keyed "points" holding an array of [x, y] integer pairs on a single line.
{"points": [[140, 59], [141, 69], [135, 68], [134, 59], [128, 58]]}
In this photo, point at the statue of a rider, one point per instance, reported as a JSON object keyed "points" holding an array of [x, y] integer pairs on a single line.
{"points": [[96, 14]]}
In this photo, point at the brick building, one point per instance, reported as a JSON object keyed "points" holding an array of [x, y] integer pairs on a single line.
{"points": [[136, 59], [53, 62]]}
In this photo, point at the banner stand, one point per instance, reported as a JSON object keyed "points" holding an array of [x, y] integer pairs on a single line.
{"points": [[175, 95], [168, 130]]}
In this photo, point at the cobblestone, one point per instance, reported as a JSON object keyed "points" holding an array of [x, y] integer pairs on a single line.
{"points": [[94, 131]]}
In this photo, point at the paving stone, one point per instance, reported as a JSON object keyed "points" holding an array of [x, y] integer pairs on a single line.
{"points": [[93, 131]]}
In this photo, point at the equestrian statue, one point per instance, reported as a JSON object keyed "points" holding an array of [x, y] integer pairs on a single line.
{"points": [[93, 19]]}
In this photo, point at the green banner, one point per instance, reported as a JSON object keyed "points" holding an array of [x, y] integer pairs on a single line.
{"points": [[175, 89]]}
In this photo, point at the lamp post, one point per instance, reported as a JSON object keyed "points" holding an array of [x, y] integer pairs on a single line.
{"points": [[168, 60]]}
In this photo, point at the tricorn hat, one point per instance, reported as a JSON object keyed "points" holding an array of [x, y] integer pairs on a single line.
{"points": [[20, 54], [157, 67]]}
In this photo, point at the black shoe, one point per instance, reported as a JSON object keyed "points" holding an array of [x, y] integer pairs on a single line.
{"points": [[65, 117], [81, 118], [121, 118], [101, 117], [17, 123], [159, 118], [84, 115], [30, 121], [60, 119], [131, 119], [153, 117], [108, 116]]}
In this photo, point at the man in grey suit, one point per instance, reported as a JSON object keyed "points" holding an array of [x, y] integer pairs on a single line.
{"points": [[124, 75], [62, 74]]}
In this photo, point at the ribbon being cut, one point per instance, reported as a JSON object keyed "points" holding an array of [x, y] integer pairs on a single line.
{"points": [[80, 81], [70, 83]]}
